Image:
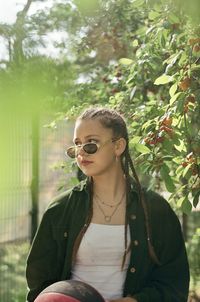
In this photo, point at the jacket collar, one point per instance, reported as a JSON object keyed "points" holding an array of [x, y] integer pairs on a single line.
{"points": [[84, 185]]}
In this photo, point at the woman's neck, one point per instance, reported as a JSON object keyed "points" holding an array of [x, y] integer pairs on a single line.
{"points": [[110, 187]]}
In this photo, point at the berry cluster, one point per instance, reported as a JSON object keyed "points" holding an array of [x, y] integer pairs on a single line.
{"points": [[165, 128]]}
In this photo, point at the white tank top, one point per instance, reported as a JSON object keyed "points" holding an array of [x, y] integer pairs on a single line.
{"points": [[99, 259]]}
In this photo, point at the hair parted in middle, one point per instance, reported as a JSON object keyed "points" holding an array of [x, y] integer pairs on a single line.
{"points": [[113, 120]]}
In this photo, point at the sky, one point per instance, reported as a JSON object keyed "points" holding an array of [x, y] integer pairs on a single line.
{"points": [[8, 11], [9, 8]]}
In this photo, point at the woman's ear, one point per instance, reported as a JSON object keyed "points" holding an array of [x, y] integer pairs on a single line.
{"points": [[120, 146]]}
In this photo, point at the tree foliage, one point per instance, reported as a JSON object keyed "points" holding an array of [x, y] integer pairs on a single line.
{"points": [[140, 57], [145, 62]]}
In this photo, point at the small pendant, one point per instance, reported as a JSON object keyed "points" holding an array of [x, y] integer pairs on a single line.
{"points": [[107, 218]]}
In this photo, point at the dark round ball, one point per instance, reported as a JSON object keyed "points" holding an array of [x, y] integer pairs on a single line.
{"points": [[69, 291]]}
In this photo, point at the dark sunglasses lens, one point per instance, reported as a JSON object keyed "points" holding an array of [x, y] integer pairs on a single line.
{"points": [[71, 152], [90, 148]]}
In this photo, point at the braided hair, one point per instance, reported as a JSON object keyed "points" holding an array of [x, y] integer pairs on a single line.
{"points": [[111, 119]]}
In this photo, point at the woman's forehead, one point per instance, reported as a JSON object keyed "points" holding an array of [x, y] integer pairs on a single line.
{"points": [[90, 128]]}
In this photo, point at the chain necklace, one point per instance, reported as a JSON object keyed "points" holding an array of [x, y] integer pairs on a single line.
{"points": [[109, 205], [107, 218]]}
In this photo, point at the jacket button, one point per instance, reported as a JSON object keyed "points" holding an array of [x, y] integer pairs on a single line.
{"points": [[132, 270], [65, 234], [133, 216], [135, 242]]}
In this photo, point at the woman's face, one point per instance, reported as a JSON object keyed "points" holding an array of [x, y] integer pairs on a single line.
{"points": [[104, 159]]}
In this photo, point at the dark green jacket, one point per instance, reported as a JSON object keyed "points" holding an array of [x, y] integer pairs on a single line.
{"points": [[50, 257]]}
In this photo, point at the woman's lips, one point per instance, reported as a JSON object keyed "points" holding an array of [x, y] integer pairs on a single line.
{"points": [[85, 162]]}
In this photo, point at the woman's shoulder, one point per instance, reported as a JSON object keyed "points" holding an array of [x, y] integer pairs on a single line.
{"points": [[153, 199], [156, 202], [153, 196], [68, 197], [159, 208]]}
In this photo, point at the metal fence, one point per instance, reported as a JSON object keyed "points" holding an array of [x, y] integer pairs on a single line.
{"points": [[17, 193]]}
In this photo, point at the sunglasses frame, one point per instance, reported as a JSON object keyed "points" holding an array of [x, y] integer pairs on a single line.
{"points": [[81, 146]]}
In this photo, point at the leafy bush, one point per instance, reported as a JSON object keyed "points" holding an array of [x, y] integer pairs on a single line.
{"points": [[12, 271]]}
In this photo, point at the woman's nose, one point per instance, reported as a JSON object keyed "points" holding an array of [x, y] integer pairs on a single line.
{"points": [[80, 151]]}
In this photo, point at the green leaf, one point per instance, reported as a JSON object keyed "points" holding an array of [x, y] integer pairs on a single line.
{"points": [[170, 185], [179, 171], [137, 3], [125, 61], [135, 140], [173, 58], [133, 91], [186, 169], [173, 18], [148, 124], [163, 79], [135, 43], [181, 147], [167, 158], [194, 67], [164, 172], [130, 80], [177, 160], [142, 148], [180, 201], [173, 89], [174, 97], [196, 199], [167, 145], [198, 231], [186, 206], [183, 58], [150, 29], [176, 121], [153, 15]]}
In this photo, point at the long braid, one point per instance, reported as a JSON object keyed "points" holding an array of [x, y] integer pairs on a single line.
{"points": [[87, 223], [143, 203], [128, 188]]}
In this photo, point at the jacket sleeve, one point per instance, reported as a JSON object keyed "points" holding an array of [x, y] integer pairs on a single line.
{"points": [[169, 281], [39, 268]]}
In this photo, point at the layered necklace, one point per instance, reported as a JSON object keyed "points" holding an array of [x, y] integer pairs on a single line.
{"points": [[115, 206]]}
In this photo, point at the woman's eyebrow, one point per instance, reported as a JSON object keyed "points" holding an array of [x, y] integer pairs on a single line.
{"points": [[92, 135], [86, 137]]}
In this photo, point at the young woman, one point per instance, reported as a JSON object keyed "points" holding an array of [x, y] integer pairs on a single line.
{"points": [[108, 231]]}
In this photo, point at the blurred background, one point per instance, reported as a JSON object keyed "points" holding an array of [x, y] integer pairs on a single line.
{"points": [[141, 57]]}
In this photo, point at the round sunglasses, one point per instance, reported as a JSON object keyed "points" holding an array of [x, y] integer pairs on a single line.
{"points": [[89, 148]]}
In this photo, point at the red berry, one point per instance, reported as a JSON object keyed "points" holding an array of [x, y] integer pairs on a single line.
{"points": [[196, 48], [190, 99], [185, 84], [167, 121]]}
